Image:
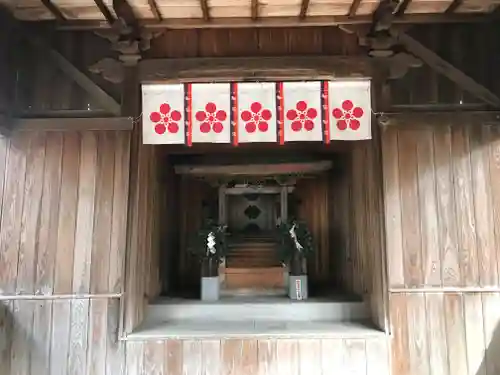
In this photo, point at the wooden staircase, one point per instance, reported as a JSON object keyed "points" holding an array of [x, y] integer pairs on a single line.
{"points": [[252, 264]]}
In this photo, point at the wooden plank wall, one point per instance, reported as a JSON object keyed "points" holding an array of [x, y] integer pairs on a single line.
{"points": [[143, 241], [193, 194], [442, 204], [42, 87], [62, 248], [313, 209], [259, 356], [355, 229], [468, 47]]}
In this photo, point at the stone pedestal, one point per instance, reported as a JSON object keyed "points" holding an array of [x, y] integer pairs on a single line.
{"points": [[210, 288]]}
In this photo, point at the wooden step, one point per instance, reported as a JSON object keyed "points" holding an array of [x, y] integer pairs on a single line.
{"points": [[254, 277]]}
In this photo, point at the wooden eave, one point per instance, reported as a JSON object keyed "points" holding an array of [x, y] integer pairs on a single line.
{"points": [[95, 14]]}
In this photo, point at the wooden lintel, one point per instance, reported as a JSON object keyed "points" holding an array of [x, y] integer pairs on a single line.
{"points": [[102, 97], [303, 9], [445, 68], [253, 68], [255, 9], [255, 169], [436, 118], [205, 9], [246, 22], [105, 11], [72, 124], [354, 8], [454, 6], [155, 10], [56, 12]]}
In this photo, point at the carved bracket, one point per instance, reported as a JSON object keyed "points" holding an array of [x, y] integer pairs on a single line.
{"points": [[129, 42], [383, 45]]}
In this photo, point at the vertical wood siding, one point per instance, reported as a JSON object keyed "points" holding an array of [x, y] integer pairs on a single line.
{"points": [[263, 356], [62, 230], [441, 201], [63, 198], [143, 241], [356, 232]]}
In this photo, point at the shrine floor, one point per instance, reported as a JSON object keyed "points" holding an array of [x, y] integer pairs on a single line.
{"points": [[336, 315]]}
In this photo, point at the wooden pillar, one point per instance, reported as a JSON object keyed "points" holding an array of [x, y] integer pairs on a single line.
{"points": [[133, 303], [284, 204], [222, 206]]}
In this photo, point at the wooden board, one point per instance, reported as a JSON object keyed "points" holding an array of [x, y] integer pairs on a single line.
{"points": [[58, 240], [450, 337], [447, 184]]}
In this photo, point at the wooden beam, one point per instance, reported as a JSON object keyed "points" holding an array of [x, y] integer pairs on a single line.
{"points": [[155, 10], [255, 9], [402, 7], [354, 8], [105, 11], [255, 169], [101, 97], [303, 9], [435, 118], [454, 6], [445, 68], [260, 68], [56, 12], [73, 124], [248, 22], [205, 9]]}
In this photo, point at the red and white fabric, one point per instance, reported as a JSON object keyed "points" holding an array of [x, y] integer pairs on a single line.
{"points": [[163, 114], [255, 118], [301, 102], [349, 110], [210, 105]]}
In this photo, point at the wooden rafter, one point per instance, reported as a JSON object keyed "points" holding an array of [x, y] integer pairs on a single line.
{"points": [[125, 12], [354, 8], [101, 96], [303, 9], [445, 68], [255, 9], [454, 6], [105, 11], [56, 12], [205, 9], [155, 10], [401, 9]]}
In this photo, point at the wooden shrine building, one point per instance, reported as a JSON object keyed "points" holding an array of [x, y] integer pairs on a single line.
{"points": [[103, 188]]}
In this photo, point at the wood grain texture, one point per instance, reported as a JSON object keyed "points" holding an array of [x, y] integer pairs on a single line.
{"points": [[450, 186], [57, 215], [462, 333]]}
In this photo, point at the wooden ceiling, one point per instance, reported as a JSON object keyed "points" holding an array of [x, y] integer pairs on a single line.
{"points": [[201, 13]]}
